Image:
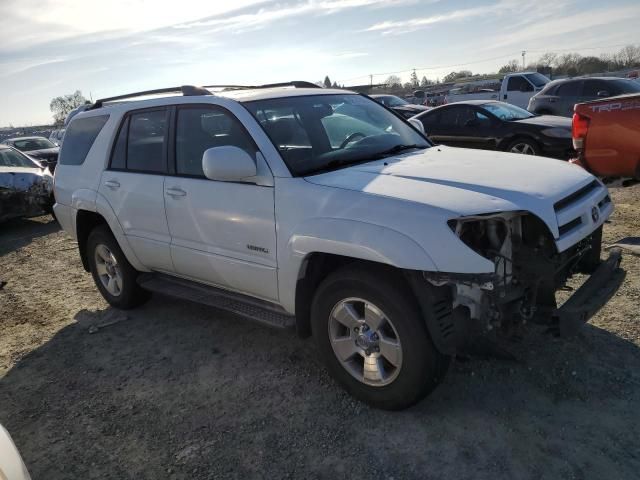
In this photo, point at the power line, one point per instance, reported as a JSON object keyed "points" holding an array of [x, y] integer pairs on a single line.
{"points": [[510, 55]]}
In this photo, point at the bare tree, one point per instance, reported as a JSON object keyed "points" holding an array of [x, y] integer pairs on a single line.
{"points": [[629, 56], [61, 106], [547, 59], [511, 66], [393, 81]]}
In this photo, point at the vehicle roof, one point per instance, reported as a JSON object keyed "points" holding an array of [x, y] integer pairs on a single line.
{"points": [[561, 80], [472, 102], [279, 92], [239, 95], [378, 95], [25, 138]]}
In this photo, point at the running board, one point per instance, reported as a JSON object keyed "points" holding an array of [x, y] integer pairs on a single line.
{"points": [[258, 310]]}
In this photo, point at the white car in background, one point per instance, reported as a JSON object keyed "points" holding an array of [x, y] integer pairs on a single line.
{"points": [[515, 88], [57, 136]]}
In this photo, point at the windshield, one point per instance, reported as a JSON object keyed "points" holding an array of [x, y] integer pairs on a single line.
{"points": [[29, 144], [324, 132], [11, 158], [391, 101], [506, 111], [537, 79]]}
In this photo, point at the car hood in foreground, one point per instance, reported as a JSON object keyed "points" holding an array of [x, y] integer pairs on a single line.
{"points": [[44, 152], [550, 121], [463, 182]]}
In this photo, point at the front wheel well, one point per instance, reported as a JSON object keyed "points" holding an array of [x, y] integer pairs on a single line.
{"points": [[315, 268], [86, 222]]}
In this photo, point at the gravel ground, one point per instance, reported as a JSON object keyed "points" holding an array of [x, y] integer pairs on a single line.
{"points": [[180, 391]]}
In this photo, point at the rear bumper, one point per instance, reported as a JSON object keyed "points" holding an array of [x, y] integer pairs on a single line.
{"points": [[592, 295], [65, 217]]}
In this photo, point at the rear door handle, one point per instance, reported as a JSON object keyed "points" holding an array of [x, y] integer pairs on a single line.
{"points": [[112, 184], [175, 192]]}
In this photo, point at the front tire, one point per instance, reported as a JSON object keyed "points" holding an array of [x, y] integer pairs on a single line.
{"points": [[113, 274], [373, 339]]}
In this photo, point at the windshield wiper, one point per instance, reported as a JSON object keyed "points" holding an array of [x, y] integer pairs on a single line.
{"points": [[337, 163], [399, 148]]}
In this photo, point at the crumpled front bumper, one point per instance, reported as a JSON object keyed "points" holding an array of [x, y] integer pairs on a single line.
{"points": [[594, 293]]}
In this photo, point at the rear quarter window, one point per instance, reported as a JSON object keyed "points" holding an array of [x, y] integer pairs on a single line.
{"points": [[79, 137]]}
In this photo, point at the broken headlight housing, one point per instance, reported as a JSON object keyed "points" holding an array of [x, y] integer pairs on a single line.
{"points": [[485, 236]]}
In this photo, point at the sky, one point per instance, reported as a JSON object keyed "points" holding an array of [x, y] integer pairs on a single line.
{"points": [[109, 47]]}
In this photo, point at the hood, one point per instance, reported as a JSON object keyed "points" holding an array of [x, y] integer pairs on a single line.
{"points": [[44, 152], [550, 121], [412, 107], [22, 179], [463, 182]]}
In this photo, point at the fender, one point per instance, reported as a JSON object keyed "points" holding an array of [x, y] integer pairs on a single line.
{"points": [[104, 209], [348, 238]]}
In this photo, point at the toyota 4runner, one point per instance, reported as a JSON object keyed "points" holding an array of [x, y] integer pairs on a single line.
{"points": [[322, 209]]}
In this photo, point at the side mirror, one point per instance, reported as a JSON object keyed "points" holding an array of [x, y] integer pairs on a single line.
{"points": [[602, 93], [417, 124], [228, 164]]}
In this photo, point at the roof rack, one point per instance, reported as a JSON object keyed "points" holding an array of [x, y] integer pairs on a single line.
{"points": [[295, 84], [186, 90], [190, 90]]}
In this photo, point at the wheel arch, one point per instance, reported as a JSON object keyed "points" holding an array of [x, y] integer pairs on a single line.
{"points": [[87, 220]]}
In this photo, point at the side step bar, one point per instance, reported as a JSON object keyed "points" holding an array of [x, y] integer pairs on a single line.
{"points": [[258, 310]]}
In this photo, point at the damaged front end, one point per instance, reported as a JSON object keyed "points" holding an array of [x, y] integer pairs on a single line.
{"points": [[529, 271], [25, 193]]}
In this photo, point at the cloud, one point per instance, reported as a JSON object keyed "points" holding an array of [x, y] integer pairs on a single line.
{"points": [[269, 14], [32, 22], [528, 10], [531, 34]]}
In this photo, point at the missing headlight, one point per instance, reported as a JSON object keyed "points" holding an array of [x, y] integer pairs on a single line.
{"points": [[484, 236]]}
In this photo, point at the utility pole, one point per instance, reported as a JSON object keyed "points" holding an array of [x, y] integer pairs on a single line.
{"points": [[371, 79], [524, 52]]}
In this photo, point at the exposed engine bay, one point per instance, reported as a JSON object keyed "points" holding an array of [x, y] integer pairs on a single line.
{"points": [[528, 271]]}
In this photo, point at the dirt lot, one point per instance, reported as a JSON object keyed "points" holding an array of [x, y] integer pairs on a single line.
{"points": [[177, 390]]}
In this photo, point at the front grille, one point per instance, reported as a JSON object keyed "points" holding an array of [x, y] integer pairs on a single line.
{"points": [[567, 227], [575, 196], [606, 200]]}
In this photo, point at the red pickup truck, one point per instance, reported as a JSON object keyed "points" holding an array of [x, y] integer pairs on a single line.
{"points": [[606, 136]]}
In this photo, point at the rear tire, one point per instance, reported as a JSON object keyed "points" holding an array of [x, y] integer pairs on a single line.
{"points": [[372, 337], [114, 276]]}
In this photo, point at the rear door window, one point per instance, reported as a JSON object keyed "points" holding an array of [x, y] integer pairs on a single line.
{"points": [[146, 142], [449, 116], [569, 89], [79, 138]]}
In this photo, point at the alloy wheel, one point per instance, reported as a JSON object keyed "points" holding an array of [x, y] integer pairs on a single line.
{"points": [[108, 270], [523, 148], [365, 342]]}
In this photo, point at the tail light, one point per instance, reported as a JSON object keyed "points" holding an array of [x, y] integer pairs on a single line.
{"points": [[579, 130]]}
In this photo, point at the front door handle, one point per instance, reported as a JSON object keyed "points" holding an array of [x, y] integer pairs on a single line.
{"points": [[176, 192], [113, 184]]}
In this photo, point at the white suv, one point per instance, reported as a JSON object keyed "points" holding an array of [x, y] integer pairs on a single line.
{"points": [[322, 209]]}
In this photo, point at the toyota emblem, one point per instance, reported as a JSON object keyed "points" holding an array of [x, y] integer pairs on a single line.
{"points": [[595, 214]]}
